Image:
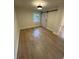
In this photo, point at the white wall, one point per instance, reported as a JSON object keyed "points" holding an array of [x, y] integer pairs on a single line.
{"points": [[16, 35], [25, 18], [54, 20], [61, 30]]}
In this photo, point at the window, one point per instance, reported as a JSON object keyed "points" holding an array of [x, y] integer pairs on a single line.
{"points": [[36, 17]]}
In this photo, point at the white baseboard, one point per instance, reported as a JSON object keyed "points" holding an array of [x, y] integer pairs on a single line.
{"points": [[48, 28], [29, 27], [54, 32]]}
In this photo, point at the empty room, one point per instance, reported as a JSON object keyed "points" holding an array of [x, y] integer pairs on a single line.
{"points": [[38, 29]]}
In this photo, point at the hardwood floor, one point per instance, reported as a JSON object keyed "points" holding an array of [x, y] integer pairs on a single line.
{"points": [[39, 43]]}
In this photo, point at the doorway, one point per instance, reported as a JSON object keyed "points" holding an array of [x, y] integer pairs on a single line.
{"points": [[44, 20]]}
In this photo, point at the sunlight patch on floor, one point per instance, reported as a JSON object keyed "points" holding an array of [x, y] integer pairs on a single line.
{"points": [[36, 33]]}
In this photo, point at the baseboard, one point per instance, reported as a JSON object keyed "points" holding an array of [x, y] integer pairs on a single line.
{"points": [[49, 29], [30, 27], [53, 32]]}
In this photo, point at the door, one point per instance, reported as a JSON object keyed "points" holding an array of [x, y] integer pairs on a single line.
{"points": [[44, 19]]}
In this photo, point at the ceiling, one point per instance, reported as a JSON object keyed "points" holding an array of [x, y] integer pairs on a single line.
{"points": [[50, 4]]}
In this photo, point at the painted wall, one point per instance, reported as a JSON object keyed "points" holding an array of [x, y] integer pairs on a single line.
{"points": [[25, 18], [16, 35], [61, 30], [54, 20]]}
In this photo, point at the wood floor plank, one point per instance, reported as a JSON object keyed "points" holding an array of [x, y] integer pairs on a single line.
{"points": [[39, 43]]}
